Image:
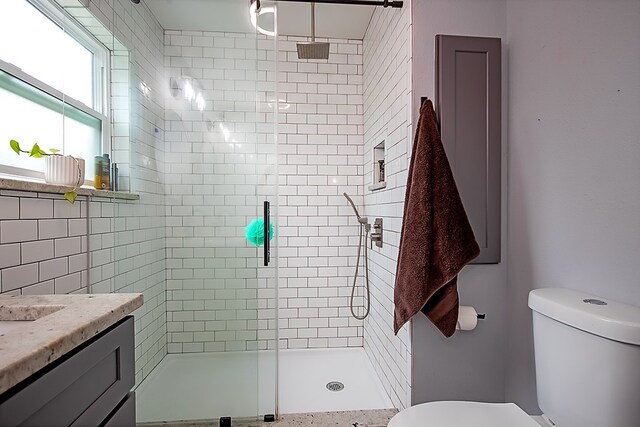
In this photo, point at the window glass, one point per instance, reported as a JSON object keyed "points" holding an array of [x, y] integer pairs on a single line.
{"points": [[41, 55], [33, 42], [37, 117]]}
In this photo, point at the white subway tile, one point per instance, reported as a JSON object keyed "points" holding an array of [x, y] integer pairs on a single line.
{"points": [[9, 207], [9, 255], [51, 228], [32, 208], [18, 277], [36, 251], [18, 231]]}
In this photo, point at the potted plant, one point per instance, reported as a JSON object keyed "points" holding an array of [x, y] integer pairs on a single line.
{"points": [[58, 169]]}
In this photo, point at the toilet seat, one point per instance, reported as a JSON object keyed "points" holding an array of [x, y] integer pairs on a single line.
{"points": [[462, 414]]}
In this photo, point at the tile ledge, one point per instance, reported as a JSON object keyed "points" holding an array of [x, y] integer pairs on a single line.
{"points": [[25, 184], [379, 186]]}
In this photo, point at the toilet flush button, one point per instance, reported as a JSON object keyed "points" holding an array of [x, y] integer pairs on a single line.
{"points": [[594, 301]]}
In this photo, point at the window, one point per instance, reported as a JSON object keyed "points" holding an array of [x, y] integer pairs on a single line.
{"points": [[52, 86]]}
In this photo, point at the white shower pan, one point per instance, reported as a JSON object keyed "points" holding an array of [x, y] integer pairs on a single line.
{"points": [[206, 386]]}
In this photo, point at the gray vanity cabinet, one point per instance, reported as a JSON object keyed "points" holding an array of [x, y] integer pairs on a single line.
{"points": [[90, 386]]}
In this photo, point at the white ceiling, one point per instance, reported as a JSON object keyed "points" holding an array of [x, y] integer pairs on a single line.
{"points": [[339, 21]]}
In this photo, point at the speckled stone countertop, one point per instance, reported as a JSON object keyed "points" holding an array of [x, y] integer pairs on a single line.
{"points": [[49, 326], [364, 418]]}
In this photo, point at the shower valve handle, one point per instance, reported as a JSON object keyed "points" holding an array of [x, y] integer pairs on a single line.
{"points": [[376, 235]]}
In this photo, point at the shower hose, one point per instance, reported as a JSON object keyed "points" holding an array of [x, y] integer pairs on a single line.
{"points": [[364, 231]]}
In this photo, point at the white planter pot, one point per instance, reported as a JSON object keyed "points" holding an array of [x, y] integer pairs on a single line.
{"points": [[64, 170]]}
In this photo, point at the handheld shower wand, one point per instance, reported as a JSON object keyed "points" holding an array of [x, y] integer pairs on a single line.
{"points": [[364, 231], [361, 220]]}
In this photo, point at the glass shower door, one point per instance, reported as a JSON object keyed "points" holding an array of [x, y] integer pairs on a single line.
{"points": [[221, 180]]}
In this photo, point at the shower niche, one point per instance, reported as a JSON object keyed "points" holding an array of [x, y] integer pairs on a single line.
{"points": [[378, 168]]}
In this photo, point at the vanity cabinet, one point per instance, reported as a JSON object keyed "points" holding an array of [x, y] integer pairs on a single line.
{"points": [[89, 386]]}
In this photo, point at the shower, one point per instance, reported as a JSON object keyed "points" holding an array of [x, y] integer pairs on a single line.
{"points": [[365, 228], [313, 49]]}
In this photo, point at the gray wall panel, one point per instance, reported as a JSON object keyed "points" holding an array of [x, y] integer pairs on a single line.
{"points": [[471, 365]]}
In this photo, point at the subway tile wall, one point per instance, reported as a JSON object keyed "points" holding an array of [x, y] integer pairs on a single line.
{"points": [[321, 157], [220, 168], [387, 100], [43, 244], [127, 239], [219, 299], [44, 250]]}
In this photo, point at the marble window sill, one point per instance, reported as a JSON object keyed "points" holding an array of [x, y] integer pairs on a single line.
{"points": [[25, 184]]}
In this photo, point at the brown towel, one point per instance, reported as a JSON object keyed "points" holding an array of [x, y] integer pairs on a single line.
{"points": [[437, 240]]}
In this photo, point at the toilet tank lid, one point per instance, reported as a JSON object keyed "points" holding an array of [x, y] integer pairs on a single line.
{"points": [[600, 316]]}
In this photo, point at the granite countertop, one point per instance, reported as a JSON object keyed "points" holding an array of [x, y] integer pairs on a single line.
{"points": [[364, 418], [36, 330]]}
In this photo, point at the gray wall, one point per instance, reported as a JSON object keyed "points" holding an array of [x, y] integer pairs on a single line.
{"points": [[573, 191], [574, 160], [470, 365]]}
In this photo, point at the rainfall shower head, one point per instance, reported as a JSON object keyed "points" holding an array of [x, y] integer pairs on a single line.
{"points": [[313, 49]]}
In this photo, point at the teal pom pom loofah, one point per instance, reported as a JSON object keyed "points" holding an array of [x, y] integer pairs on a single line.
{"points": [[255, 232]]}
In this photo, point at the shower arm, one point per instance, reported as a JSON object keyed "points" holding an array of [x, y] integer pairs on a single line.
{"points": [[313, 21], [383, 3]]}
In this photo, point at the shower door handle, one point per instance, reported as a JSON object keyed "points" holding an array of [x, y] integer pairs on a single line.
{"points": [[267, 243]]}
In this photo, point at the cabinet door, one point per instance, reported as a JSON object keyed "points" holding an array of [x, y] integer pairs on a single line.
{"points": [[125, 414], [469, 109], [82, 388]]}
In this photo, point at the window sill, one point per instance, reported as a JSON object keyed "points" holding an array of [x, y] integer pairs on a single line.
{"points": [[25, 184]]}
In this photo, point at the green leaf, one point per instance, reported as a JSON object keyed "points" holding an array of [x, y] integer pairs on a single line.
{"points": [[15, 146], [36, 152], [71, 196], [54, 150]]}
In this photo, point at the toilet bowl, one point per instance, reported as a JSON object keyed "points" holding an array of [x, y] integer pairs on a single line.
{"points": [[459, 413], [587, 357]]}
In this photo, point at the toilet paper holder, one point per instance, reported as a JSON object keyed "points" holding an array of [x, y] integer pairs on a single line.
{"points": [[468, 318]]}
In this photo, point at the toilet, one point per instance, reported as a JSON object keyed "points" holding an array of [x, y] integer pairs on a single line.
{"points": [[587, 357]]}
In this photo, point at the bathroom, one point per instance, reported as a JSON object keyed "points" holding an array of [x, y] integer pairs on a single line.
{"points": [[208, 111]]}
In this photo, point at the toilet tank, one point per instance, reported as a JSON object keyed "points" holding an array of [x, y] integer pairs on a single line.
{"points": [[587, 357]]}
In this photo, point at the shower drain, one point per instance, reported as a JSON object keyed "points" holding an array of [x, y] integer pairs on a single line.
{"points": [[335, 386]]}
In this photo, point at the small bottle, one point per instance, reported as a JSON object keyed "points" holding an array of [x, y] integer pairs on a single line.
{"points": [[97, 177], [114, 177], [106, 171]]}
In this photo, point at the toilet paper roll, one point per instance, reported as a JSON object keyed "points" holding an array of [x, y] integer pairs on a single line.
{"points": [[467, 318]]}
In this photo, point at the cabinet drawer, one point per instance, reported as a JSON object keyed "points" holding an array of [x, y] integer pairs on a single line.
{"points": [[80, 389]]}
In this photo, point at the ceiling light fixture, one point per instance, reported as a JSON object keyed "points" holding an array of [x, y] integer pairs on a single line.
{"points": [[255, 10]]}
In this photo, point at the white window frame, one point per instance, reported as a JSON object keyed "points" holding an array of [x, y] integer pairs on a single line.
{"points": [[101, 81]]}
